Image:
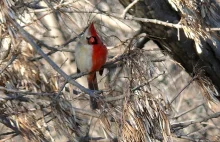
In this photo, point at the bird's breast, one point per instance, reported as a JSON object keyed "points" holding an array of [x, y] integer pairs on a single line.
{"points": [[83, 57]]}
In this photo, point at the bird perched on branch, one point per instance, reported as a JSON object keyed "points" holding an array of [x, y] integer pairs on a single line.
{"points": [[90, 56]]}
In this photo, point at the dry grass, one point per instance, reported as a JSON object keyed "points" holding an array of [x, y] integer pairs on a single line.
{"points": [[146, 95]]}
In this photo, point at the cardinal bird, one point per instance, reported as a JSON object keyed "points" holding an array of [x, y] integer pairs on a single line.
{"points": [[90, 56]]}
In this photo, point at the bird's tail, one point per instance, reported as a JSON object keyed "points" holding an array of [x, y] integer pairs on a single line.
{"points": [[93, 85]]}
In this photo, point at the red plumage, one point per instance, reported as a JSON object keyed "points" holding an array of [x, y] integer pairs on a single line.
{"points": [[91, 57]]}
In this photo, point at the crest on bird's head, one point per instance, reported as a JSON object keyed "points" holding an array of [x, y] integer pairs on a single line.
{"points": [[90, 36], [92, 29]]}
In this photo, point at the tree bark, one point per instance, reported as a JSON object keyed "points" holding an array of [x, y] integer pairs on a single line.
{"points": [[183, 50]]}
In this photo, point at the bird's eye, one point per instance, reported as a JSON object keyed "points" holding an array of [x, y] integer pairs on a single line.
{"points": [[92, 40]]}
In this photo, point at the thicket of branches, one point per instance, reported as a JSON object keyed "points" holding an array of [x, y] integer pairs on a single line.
{"points": [[145, 95]]}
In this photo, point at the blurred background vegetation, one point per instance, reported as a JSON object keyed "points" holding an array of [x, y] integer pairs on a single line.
{"points": [[155, 85]]}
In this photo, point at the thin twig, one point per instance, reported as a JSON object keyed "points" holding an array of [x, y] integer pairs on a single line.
{"points": [[212, 29], [7, 133], [45, 124], [181, 114], [115, 98], [120, 58], [188, 138], [61, 47], [25, 92], [183, 89], [28, 38], [196, 132], [57, 48], [145, 20], [60, 90], [128, 7], [40, 57], [10, 124], [8, 138], [182, 125], [150, 80], [86, 112], [9, 62], [132, 18]]}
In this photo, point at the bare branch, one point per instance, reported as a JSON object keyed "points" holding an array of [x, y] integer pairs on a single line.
{"points": [[185, 112], [183, 88], [128, 7], [182, 125], [142, 85], [26, 92], [14, 56], [27, 37]]}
